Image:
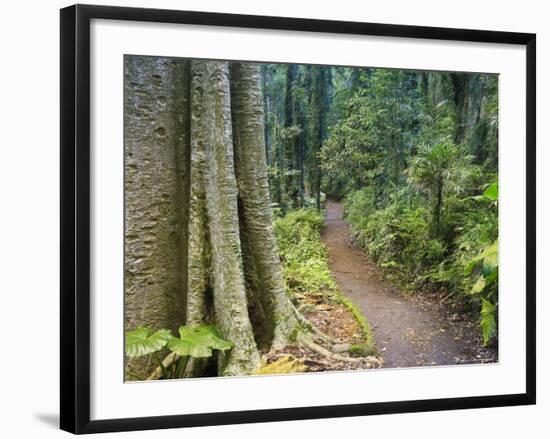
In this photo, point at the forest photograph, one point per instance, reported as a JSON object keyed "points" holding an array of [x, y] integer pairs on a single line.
{"points": [[293, 218]]}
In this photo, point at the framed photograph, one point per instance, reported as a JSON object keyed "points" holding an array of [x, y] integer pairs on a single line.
{"points": [[273, 218]]}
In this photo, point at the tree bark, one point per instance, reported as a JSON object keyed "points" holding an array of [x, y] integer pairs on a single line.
{"points": [[438, 206], [211, 131], [153, 136], [320, 103], [291, 140], [262, 265], [460, 85], [200, 244]]}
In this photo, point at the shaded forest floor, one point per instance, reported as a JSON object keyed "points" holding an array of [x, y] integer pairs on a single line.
{"points": [[409, 330]]}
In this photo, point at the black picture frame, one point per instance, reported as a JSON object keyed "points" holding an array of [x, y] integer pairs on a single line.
{"points": [[75, 217]]}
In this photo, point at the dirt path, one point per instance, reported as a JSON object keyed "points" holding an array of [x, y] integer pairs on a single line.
{"points": [[405, 334]]}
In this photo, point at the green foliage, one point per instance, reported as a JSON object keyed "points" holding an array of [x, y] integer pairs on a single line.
{"points": [[359, 205], [490, 195], [302, 252], [443, 163], [362, 350], [297, 101], [488, 320], [397, 237], [491, 192], [198, 341], [486, 261], [440, 169], [373, 140], [305, 261], [465, 262], [425, 209], [484, 268], [193, 341], [413, 154], [142, 341]]}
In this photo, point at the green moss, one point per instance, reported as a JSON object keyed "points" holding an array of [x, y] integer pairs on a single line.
{"points": [[359, 317], [362, 350]]}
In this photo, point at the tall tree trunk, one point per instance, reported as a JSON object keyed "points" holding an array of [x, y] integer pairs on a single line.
{"points": [[460, 86], [200, 245], [211, 131], [300, 156], [438, 207], [291, 139], [424, 83], [320, 102], [262, 265], [152, 184]]}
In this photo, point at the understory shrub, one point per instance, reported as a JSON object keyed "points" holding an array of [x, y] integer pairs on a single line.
{"points": [[397, 237], [303, 254], [461, 260], [306, 265]]}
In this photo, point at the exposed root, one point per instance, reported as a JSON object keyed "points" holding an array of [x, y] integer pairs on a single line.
{"points": [[315, 332], [306, 341], [310, 337], [166, 363]]}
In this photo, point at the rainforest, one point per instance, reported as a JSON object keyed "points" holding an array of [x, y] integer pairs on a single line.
{"points": [[286, 218]]}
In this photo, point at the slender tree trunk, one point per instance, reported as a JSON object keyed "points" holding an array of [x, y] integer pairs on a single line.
{"points": [[279, 162], [424, 83], [460, 85], [300, 157], [438, 207], [320, 103], [290, 143]]}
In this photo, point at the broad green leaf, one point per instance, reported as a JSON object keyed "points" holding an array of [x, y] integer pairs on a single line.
{"points": [[190, 347], [492, 192], [471, 265], [207, 334], [490, 283], [487, 320], [142, 341], [490, 258], [198, 341], [478, 286]]}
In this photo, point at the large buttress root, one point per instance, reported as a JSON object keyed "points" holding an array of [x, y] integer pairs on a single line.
{"points": [[224, 267], [262, 266], [282, 323]]}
